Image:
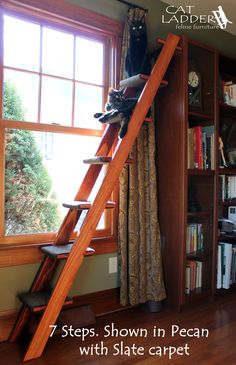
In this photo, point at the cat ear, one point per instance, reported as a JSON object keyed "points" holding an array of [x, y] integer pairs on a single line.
{"points": [[142, 19], [111, 90]]}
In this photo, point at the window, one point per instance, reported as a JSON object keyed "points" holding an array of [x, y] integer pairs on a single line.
{"points": [[55, 77]]}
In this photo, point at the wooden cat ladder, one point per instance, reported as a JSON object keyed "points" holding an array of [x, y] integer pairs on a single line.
{"points": [[52, 302]]}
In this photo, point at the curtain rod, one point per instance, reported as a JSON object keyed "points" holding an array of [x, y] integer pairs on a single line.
{"points": [[132, 5]]}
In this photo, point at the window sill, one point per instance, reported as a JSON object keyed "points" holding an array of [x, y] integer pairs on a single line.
{"points": [[22, 254]]}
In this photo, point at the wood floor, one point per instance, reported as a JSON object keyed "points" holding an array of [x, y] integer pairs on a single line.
{"points": [[152, 340]]}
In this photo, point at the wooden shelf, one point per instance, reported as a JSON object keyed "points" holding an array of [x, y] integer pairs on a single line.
{"points": [[227, 171], [223, 291], [229, 239], [199, 255], [227, 203], [201, 172], [226, 107], [200, 116], [199, 292], [203, 213], [37, 301]]}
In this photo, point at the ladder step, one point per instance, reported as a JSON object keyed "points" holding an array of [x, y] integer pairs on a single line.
{"points": [[103, 160], [162, 41], [77, 317], [37, 301], [61, 252], [134, 81], [138, 81], [83, 205]]}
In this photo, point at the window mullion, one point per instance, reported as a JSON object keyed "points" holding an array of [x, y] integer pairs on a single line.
{"points": [[73, 90], [40, 74]]}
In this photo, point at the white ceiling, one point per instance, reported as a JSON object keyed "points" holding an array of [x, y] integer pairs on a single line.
{"points": [[206, 6]]}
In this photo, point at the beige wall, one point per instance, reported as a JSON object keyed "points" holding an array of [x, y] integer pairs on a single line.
{"points": [[94, 275], [216, 38]]}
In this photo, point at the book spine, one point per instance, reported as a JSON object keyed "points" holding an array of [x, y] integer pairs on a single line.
{"points": [[198, 147], [204, 151], [219, 272]]}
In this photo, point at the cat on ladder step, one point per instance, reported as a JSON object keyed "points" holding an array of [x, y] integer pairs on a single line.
{"points": [[137, 60], [118, 109]]}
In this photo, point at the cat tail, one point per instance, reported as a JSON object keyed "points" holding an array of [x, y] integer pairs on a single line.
{"points": [[123, 127]]}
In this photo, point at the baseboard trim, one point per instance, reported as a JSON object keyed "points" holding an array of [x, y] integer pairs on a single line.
{"points": [[7, 320], [103, 302]]}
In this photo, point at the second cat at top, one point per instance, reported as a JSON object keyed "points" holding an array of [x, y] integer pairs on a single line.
{"points": [[137, 60]]}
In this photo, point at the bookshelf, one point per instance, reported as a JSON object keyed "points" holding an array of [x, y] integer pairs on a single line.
{"points": [[226, 247], [188, 179]]}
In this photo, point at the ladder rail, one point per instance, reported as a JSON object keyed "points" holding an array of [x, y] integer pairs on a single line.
{"points": [[84, 237]]}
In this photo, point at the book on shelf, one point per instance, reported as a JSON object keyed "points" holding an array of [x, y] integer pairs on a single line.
{"points": [[194, 238], [188, 274], [201, 154], [229, 93], [193, 275], [233, 265], [227, 188], [226, 265], [219, 268]]}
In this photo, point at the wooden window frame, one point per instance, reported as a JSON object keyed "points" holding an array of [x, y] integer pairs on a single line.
{"points": [[69, 17]]}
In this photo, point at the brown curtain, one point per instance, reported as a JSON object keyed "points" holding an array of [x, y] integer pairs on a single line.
{"points": [[139, 235]]}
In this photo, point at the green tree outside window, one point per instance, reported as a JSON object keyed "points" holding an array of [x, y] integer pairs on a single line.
{"points": [[29, 205]]}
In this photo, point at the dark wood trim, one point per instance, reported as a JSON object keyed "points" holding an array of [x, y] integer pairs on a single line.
{"points": [[201, 172], [103, 302], [176, 113], [66, 10], [7, 320], [217, 172], [201, 45]]}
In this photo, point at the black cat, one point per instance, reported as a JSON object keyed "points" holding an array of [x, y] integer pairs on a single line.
{"points": [[137, 60], [118, 110]]}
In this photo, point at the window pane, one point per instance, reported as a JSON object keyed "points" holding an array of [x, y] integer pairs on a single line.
{"points": [[88, 101], [43, 170], [57, 53], [20, 96], [89, 61], [21, 44], [56, 104]]}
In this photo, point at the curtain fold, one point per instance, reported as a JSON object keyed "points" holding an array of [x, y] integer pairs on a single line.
{"points": [[140, 260]]}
